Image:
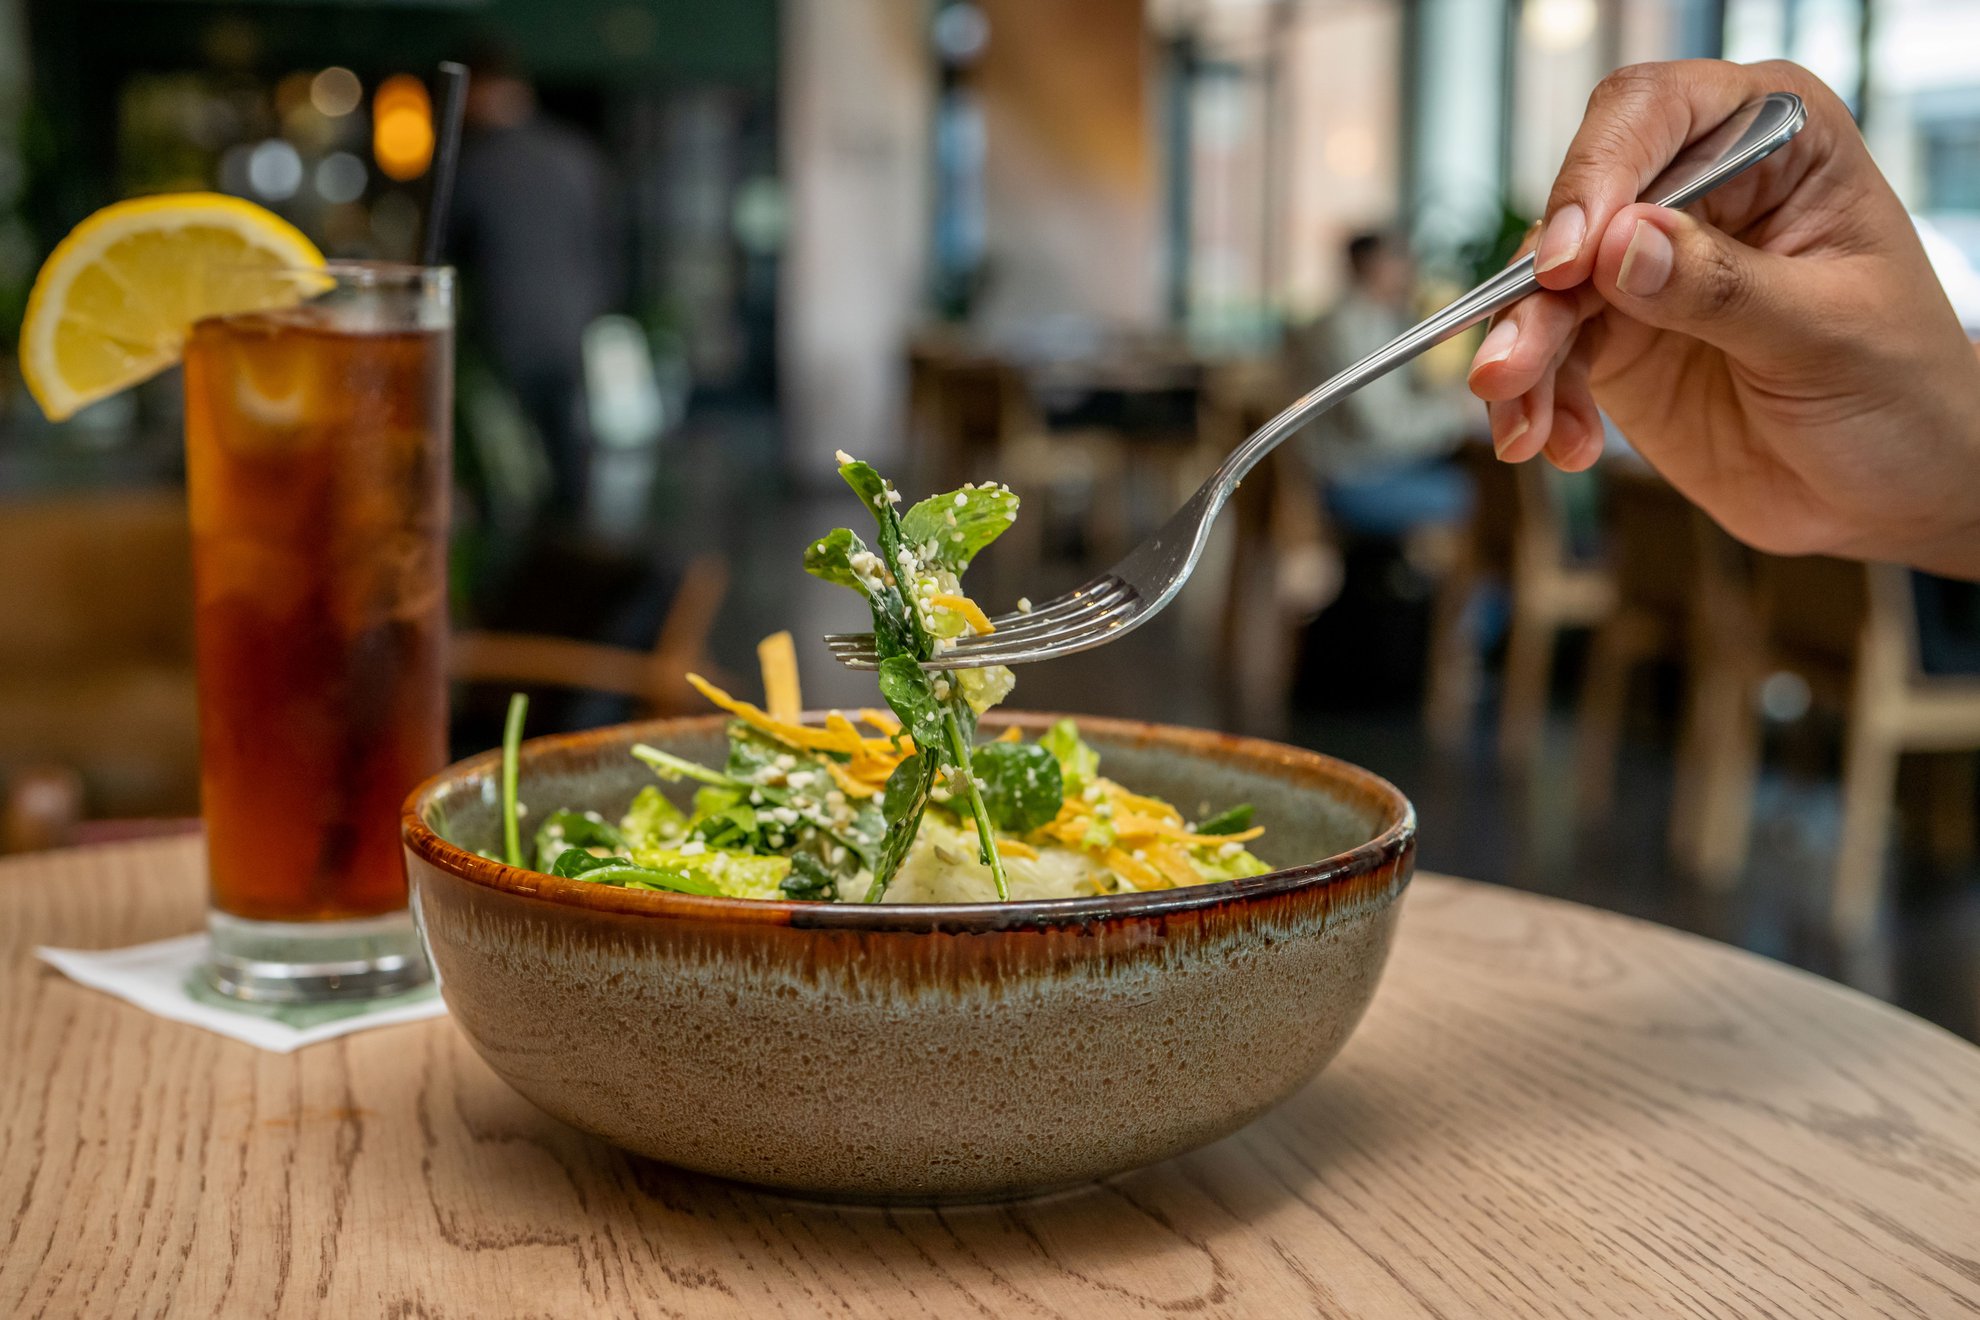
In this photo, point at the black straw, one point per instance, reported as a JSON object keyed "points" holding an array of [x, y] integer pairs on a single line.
{"points": [[447, 154]]}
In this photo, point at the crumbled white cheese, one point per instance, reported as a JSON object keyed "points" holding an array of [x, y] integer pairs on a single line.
{"points": [[693, 848], [1024, 604], [843, 457]]}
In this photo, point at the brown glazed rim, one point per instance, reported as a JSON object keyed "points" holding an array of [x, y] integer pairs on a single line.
{"points": [[1397, 838]]}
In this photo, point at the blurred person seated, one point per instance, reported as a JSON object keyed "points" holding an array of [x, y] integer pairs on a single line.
{"points": [[1383, 453], [535, 234]]}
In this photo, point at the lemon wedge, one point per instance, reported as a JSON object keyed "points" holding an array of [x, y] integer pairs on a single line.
{"points": [[115, 299]]}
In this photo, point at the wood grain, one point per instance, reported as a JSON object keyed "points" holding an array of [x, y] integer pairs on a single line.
{"points": [[1549, 1112]]}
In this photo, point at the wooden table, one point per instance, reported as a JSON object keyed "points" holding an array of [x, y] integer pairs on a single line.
{"points": [[1549, 1111]]}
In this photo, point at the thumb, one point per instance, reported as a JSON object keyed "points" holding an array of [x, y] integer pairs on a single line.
{"points": [[1673, 271]]}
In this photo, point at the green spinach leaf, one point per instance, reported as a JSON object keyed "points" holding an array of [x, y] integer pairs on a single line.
{"points": [[909, 692], [577, 864], [906, 801], [564, 830], [810, 880], [1023, 787], [1233, 820], [949, 529], [831, 557]]}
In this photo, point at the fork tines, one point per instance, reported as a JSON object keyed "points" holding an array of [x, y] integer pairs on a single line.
{"points": [[1065, 623]]}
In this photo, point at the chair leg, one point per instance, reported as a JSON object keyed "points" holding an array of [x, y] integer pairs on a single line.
{"points": [[1523, 709], [1950, 790], [1689, 760], [1453, 685], [1604, 697], [1869, 787], [1724, 771]]}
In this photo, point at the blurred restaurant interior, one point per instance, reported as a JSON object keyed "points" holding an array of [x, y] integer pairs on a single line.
{"points": [[1080, 248]]}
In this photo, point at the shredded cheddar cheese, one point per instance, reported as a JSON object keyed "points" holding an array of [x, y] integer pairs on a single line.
{"points": [[777, 656], [968, 610]]}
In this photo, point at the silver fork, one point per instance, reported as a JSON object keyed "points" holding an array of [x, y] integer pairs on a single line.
{"points": [[1137, 588]]}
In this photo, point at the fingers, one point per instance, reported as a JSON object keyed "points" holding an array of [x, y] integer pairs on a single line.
{"points": [[1638, 119], [1578, 435], [1526, 340], [1524, 425], [1555, 414]]}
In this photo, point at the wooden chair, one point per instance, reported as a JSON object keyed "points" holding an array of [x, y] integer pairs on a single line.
{"points": [[1284, 562], [97, 703], [1718, 749], [1894, 708], [963, 406], [973, 418], [656, 678], [1653, 553], [1850, 630], [1517, 535], [1684, 591]]}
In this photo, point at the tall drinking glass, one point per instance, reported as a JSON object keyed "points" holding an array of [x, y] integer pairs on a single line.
{"points": [[318, 453]]}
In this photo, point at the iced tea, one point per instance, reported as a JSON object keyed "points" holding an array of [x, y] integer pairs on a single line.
{"points": [[317, 455]]}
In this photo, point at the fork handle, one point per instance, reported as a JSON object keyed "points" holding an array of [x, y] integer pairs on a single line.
{"points": [[1750, 135], [1488, 299]]}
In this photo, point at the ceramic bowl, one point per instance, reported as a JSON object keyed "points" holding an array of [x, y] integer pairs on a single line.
{"points": [[916, 1053]]}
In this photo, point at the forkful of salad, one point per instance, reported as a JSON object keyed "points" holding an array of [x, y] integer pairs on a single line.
{"points": [[1141, 585]]}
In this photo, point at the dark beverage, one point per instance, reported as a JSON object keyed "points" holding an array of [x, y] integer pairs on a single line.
{"points": [[317, 454]]}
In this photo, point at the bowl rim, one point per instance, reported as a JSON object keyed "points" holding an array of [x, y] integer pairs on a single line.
{"points": [[1396, 839]]}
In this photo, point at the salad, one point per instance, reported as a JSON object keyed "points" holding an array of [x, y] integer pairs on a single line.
{"points": [[901, 804]]}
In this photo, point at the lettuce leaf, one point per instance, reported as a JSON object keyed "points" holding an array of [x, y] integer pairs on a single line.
{"points": [[1211, 863], [1079, 764], [728, 872], [651, 820]]}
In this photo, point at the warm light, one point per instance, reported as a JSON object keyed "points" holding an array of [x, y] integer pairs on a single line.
{"points": [[1559, 24], [400, 89], [335, 92], [1350, 152], [402, 127]]}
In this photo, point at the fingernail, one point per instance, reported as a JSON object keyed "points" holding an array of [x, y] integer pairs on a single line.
{"points": [[1560, 241], [1646, 263], [1498, 345], [1500, 444]]}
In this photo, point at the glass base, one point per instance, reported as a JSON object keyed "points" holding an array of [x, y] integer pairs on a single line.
{"points": [[314, 962]]}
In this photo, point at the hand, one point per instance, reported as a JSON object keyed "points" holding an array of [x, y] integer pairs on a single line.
{"points": [[1784, 355]]}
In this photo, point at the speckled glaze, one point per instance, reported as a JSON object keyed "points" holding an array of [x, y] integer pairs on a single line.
{"points": [[916, 1053]]}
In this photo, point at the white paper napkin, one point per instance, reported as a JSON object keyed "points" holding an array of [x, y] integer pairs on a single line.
{"points": [[164, 978]]}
